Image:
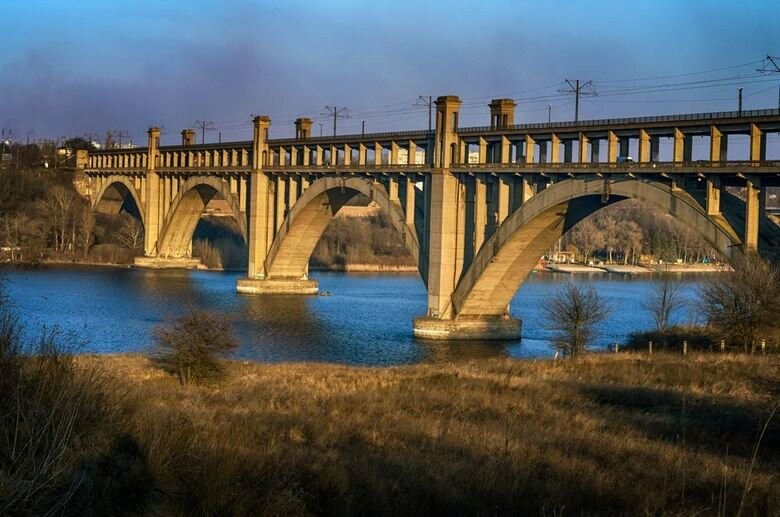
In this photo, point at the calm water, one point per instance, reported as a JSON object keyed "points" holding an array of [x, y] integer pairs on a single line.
{"points": [[367, 320]]}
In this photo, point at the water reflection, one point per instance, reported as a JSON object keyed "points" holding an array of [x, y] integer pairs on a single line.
{"points": [[367, 320]]}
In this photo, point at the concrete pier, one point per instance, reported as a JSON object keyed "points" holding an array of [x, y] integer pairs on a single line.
{"points": [[169, 263], [467, 329], [277, 286]]}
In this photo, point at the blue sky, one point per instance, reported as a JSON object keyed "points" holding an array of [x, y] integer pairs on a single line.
{"points": [[83, 66]]}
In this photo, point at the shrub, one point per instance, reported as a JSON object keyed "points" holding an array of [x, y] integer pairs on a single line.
{"points": [[573, 313], [192, 346]]}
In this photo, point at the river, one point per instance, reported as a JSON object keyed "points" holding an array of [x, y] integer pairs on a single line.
{"points": [[366, 321]]}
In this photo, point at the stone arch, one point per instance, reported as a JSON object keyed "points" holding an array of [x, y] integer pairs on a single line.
{"points": [[305, 223], [112, 196], [506, 259], [185, 211]]}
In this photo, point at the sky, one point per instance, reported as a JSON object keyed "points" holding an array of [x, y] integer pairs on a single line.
{"points": [[84, 67]]}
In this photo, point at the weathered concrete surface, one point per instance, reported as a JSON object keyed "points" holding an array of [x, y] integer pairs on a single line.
{"points": [[476, 329], [276, 286], [169, 263]]}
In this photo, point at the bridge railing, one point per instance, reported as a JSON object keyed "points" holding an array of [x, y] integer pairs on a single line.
{"points": [[718, 115], [735, 164], [350, 167], [388, 135]]}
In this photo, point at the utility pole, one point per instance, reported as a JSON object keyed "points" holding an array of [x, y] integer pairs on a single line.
{"points": [[426, 101], [336, 113], [739, 102], [204, 125], [585, 89], [549, 114], [363, 128], [771, 66]]}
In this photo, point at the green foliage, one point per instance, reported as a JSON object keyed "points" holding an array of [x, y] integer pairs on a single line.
{"points": [[193, 345], [573, 314]]}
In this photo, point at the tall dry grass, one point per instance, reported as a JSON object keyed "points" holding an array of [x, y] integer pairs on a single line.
{"points": [[612, 434]]}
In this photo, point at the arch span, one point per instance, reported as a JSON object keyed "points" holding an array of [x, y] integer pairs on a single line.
{"points": [[305, 223], [113, 195], [506, 259], [182, 218]]}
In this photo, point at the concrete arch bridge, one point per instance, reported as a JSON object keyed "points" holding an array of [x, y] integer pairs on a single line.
{"points": [[475, 206]]}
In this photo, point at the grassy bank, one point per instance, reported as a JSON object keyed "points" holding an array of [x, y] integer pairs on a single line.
{"points": [[618, 433]]}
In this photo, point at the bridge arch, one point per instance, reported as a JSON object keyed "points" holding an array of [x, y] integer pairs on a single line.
{"points": [[185, 211], [506, 259], [305, 223], [113, 195]]}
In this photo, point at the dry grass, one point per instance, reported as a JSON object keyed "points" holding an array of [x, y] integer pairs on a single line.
{"points": [[611, 434]]}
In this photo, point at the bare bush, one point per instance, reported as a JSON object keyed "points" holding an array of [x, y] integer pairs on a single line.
{"points": [[742, 304], [573, 314], [664, 299], [192, 346]]}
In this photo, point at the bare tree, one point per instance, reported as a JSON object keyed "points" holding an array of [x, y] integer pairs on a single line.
{"points": [[130, 233], [86, 227], [573, 314], [587, 237], [58, 204], [742, 303], [664, 299]]}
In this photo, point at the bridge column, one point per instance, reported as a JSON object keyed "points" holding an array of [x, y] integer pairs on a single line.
{"points": [[752, 214], [347, 155], [713, 196], [503, 189], [757, 144], [555, 149], [529, 149], [412, 153], [153, 216], [361, 154], [718, 145], [281, 201], [678, 149], [612, 147], [480, 212], [445, 228], [409, 203], [644, 147], [583, 148]]}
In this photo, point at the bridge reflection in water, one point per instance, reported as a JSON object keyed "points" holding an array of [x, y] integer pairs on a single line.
{"points": [[476, 207]]}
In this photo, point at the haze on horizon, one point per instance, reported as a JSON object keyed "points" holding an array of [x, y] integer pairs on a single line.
{"points": [[87, 67]]}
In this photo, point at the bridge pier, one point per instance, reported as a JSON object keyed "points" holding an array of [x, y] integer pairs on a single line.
{"points": [[168, 262], [467, 329], [277, 286]]}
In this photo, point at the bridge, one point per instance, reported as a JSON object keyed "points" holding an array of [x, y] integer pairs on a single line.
{"points": [[475, 206]]}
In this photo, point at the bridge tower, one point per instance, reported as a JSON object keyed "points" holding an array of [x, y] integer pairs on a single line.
{"points": [[153, 215], [445, 206]]}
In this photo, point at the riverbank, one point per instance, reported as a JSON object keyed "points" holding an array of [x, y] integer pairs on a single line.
{"points": [[625, 433], [627, 269]]}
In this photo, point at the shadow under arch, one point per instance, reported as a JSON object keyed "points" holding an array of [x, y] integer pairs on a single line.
{"points": [[305, 223], [115, 195], [506, 259], [186, 210]]}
